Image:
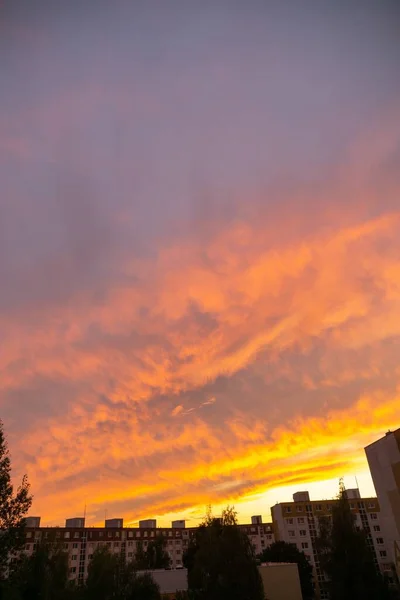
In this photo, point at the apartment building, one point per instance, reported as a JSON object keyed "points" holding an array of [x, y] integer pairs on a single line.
{"points": [[80, 542], [384, 462], [297, 523]]}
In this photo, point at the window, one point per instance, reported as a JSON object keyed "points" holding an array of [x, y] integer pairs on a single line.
{"points": [[145, 534], [169, 533], [151, 533], [65, 546], [299, 509], [109, 534], [304, 545], [377, 528], [76, 535], [373, 516], [379, 540], [130, 534], [361, 505], [74, 557], [138, 534], [101, 533], [352, 505], [288, 509], [300, 520], [74, 545], [72, 570], [90, 556], [66, 535], [269, 537], [290, 521], [371, 505], [117, 534], [303, 532], [130, 544], [308, 507], [29, 534], [383, 553], [130, 554], [27, 546], [291, 533], [318, 507], [116, 544]]}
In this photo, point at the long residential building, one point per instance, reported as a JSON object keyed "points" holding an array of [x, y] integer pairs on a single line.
{"points": [[297, 523], [80, 542]]}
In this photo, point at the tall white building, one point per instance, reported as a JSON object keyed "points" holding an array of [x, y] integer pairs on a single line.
{"points": [[297, 523], [384, 462]]}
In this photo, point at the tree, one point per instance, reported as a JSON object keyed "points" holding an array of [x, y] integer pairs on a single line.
{"points": [[102, 580], [284, 552], [110, 577], [221, 563], [143, 587], [43, 575], [345, 557], [13, 509], [154, 557]]}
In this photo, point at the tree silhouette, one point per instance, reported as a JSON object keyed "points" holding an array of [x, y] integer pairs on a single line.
{"points": [[221, 563], [13, 509], [154, 556], [346, 558]]}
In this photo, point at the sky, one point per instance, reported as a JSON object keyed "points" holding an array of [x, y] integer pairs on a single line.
{"points": [[199, 251]]}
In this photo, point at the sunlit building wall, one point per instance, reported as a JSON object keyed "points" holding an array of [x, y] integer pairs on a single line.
{"points": [[384, 462], [297, 523]]}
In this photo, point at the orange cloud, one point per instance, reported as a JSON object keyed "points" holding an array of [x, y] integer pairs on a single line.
{"points": [[292, 325]]}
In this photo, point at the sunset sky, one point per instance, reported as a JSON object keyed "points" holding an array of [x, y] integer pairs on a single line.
{"points": [[199, 250]]}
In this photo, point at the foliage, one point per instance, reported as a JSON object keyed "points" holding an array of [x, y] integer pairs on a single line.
{"points": [[154, 556], [284, 552], [221, 563], [13, 509], [102, 579], [110, 577], [44, 574], [345, 557], [143, 587]]}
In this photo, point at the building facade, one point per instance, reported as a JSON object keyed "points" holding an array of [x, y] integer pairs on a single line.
{"points": [[384, 462], [81, 542], [297, 523]]}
